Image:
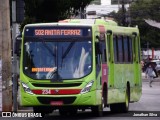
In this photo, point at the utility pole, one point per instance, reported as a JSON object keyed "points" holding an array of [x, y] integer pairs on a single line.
{"points": [[14, 61], [82, 12], [5, 53], [118, 5], [129, 14], [123, 14]]}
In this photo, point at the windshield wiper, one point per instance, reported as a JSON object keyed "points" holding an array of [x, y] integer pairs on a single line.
{"points": [[54, 76], [68, 49], [50, 51]]}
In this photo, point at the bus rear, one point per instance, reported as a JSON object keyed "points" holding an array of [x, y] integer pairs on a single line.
{"points": [[57, 68]]}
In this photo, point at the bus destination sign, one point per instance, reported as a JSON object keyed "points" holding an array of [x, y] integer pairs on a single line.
{"points": [[62, 32], [58, 32]]}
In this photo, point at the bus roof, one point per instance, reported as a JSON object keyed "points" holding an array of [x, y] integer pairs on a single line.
{"points": [[77, 22], [109, 24], [90, 21]]}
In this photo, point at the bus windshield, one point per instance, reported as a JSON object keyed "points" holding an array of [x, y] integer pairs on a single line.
{"points": [[57, 60]]}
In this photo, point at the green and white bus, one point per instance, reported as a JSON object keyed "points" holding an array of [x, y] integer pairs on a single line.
{"points": [[79, 64]]}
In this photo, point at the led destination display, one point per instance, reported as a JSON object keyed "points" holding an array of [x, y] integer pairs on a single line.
{"points": [[58, 32]]}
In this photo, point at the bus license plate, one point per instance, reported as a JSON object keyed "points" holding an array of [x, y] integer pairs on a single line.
{"points": [[56, 103]]}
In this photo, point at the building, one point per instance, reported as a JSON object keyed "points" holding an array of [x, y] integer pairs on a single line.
{"points": [[151, 54], [100, 10], [105, 7]]}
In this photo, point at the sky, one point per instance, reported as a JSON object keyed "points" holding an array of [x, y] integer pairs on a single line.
{"points": [[106, 2]]}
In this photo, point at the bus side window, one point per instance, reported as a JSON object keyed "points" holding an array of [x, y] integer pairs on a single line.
{"points": [[130, 53], [126, 49], [134, 48], [139, 51], [115, 42], [109, 47], [120, 49]]}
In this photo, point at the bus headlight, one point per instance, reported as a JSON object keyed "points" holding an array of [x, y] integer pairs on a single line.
{"points": [[87, 87], [26, 88]]}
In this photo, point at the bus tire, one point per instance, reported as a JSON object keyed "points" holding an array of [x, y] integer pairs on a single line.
{"points": [[121, 107], [98, 110], [125, 105], [114, 108]]}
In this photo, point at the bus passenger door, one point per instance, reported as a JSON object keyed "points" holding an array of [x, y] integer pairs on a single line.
{"points": [[104, 68], [102, 39], [104, 64]]}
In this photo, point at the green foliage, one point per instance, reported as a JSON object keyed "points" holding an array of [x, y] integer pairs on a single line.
{"points": [[140, 10], [38, 11], [118, 17]]}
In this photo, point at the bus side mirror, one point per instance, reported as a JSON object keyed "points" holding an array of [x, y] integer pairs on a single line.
{"points": [[17, 48], [97, 39], [98, 53], [134, 34], [109, 32], [98, 48]]}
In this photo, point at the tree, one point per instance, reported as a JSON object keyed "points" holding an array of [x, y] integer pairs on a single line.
{"points": [[139, 11], [51, 10], [118, 17], [146, 9]]}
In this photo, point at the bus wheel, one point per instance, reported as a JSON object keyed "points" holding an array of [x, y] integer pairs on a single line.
{"points": [[121, 107], [98, 110], [114, 108], [125, 105]]}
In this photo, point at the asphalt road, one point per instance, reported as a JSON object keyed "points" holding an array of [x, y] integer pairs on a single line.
{"points": [[148, 108]]}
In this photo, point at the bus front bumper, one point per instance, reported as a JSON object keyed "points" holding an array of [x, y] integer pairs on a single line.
{"points": [[88, 99]]}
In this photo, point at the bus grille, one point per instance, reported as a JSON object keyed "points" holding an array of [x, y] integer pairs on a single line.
{"points": [[57, 85], [48, 100]]}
